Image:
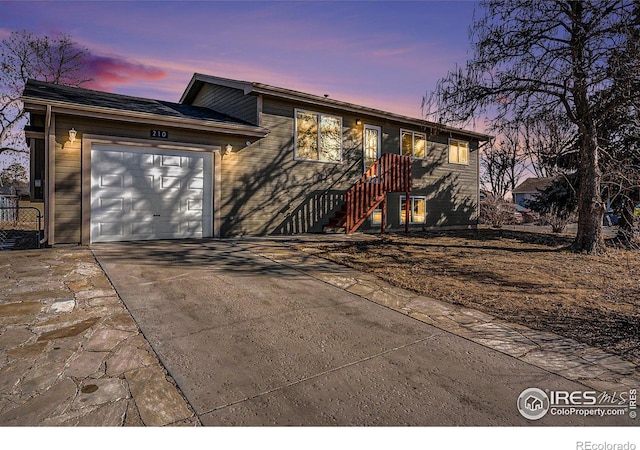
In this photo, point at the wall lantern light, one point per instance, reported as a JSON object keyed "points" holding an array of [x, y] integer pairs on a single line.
{"points": [[228, 149], [72, 135], [358, 122]]}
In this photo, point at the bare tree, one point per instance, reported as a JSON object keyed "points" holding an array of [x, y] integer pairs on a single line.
{"points": [[23, 56], [549, 144], [531, 57], [502, 160], [14, 175], [621, 168]]}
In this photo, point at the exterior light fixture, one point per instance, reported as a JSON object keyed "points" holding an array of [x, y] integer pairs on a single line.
{"points": [[228, 149], [72, 135], [358, 122]]}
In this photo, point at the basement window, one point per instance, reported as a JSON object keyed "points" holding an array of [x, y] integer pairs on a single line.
{"points": [[418, 210], [376, 217]]}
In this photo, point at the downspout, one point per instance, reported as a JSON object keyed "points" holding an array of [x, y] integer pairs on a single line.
{"points": [[47, 127]]}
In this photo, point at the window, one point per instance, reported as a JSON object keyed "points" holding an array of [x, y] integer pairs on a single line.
{"points": [[376, 217], [318, 137], [458, 151], [372, 136], [413, 144], [36, 165], [418, 209]]}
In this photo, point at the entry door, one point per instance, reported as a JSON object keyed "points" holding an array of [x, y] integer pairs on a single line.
{"points": [[372, 150]]}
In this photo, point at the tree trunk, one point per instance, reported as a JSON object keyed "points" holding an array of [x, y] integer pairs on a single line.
{"points": [[591, 208]]}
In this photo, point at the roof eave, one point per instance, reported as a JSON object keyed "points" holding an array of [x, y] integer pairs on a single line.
{"points": [[36, 104], [198, 79], [259, 88]]}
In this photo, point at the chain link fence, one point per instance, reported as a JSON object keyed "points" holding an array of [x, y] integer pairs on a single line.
{"points": [[20, 227]]}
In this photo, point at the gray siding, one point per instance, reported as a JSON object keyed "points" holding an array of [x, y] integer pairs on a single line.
{"points": [[68, 183], [451, 190], [266, 191], [232, 102], [263, 189]]}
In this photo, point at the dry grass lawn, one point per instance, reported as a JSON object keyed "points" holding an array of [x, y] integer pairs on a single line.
{"points": [[522, 277]]}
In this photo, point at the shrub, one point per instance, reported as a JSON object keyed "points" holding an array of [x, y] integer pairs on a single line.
{"points": [[496, 212]]}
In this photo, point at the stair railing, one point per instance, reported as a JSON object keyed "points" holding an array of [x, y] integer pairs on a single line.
{"points": [[390, 173]]}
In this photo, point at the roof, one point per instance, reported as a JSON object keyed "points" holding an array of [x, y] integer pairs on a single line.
{"points": [[533, 185], [74, 100], [249, 87]]}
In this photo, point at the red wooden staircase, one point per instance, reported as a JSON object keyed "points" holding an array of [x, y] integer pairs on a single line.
{"points": [[390, 173]]}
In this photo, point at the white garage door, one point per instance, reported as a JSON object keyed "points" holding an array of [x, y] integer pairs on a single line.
{"points": [[148, 193]]}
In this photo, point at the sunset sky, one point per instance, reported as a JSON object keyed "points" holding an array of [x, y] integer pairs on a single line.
{"points": [[383, 54]]}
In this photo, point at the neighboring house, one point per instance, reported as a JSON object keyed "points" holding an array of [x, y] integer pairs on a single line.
{"points": [[529, 189], [239, 158]]}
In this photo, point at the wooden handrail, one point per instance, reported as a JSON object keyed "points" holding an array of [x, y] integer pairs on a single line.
{"points": [[390, 173]]}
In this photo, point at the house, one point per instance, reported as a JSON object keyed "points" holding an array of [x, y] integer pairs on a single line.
{"points": [[529, 189], [533, 403], [239, 158]]}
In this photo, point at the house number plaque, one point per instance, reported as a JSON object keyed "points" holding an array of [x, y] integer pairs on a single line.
{"points": [[160, 134]]}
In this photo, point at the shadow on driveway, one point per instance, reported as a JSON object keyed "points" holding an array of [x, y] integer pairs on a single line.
{"points": [[196, 254]]}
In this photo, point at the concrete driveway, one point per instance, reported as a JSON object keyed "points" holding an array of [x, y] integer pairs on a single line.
{"points": [[253, 342]]}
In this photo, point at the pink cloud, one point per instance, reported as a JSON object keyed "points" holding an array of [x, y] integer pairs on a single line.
{"points": [[109, 72]]}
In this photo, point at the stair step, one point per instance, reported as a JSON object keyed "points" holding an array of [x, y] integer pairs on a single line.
{"points": [[328, 229], [366, 196]]}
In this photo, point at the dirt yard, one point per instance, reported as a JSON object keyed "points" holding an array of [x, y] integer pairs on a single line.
{"points": [[522, 277]]}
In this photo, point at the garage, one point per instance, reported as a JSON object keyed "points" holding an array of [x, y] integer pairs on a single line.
{"points": [[144, 193]]}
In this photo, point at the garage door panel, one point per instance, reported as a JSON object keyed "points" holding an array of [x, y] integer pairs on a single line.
{"points": [[142, 181], [111, 156], [168, 229], [170, 196], [142, 228], [111, 229], [111, 181], [111, 204], [141, 204], [196, 184], [194, 205], [194, 227], [143, 160], [170, 182], [171, 161], [169, 207], [195, 164], [143, 193]]}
